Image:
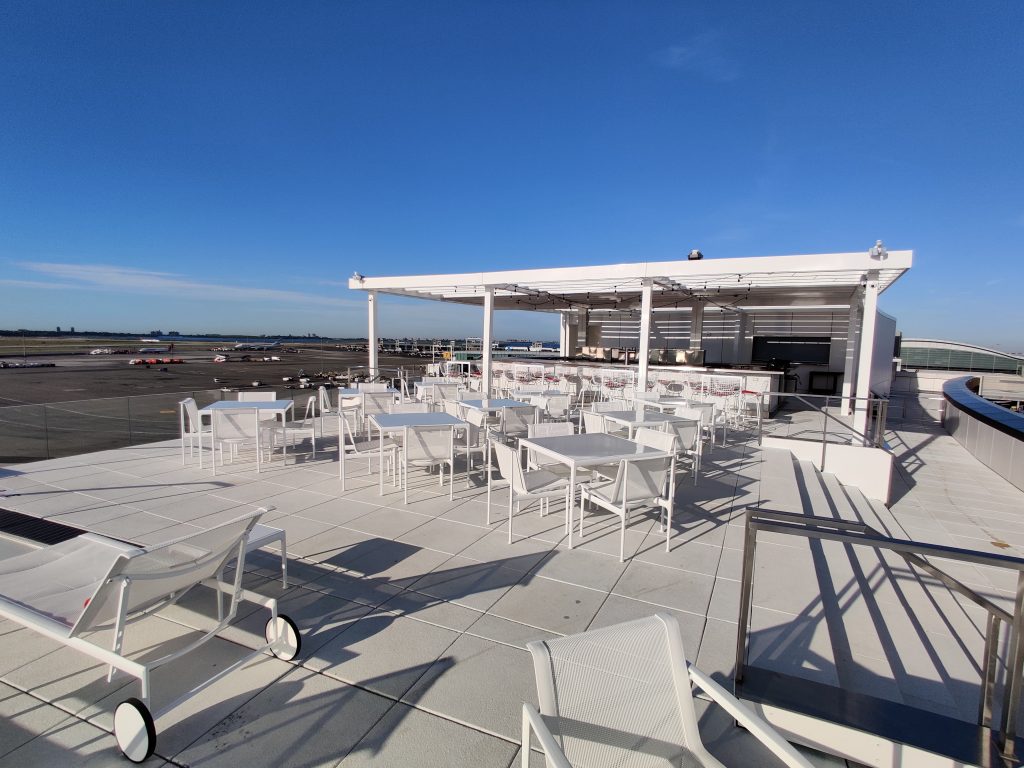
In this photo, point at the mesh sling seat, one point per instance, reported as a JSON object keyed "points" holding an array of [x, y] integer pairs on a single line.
{"points": [[90, 583], [621, 697]]}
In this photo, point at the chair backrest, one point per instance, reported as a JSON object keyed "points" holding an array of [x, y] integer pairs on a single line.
{"points": [[159, 571], [547, 429], [606, 406], [593, 422], [655, 438], [687, 433], [451, 407], [466, 394], [517, 420], [433, 443], [377, 402], [446, 391], [256, 397], [509, 465], [619, 695], [373, 386], [640, 480], [692, 413], [410, 408], [192, 413], [558, 406], [325, 399], [307, 419], [236, 424], [551, 429]]}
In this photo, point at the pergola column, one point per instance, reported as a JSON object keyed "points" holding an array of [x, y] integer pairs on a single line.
{"points": [[742, 325], [869, 314], [850, 359], [371, 298], [487, 340], [697, 326], [646, 301]]}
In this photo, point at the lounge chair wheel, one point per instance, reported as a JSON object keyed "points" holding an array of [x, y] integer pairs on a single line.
{"points": [[134, 730], [289, 640]]}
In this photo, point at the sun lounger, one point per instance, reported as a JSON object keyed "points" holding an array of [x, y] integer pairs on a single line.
{"points": [[91, 583]]}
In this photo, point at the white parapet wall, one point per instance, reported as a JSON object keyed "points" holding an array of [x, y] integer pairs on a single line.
{"points": [[867, 469]]}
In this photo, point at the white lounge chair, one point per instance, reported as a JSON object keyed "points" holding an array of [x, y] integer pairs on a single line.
{"points": [[70, 590], [622, 696]]}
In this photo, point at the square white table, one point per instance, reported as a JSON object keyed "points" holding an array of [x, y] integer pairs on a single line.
{"points": [[641, 418], [278, 408], [589, 450], [396, 422]]}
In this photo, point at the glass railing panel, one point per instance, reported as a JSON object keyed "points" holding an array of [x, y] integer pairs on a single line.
{"points": [[23, 434]]}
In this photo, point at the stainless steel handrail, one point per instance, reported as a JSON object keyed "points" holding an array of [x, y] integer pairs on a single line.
{"points": [[913, 552], [878, 416]]}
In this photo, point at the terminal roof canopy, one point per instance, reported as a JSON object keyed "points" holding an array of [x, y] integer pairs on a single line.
{"points": [[830, 279]]}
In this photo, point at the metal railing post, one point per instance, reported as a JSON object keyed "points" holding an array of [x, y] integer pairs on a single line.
{"points": [[824, 434], [46, 433], [746, 594], [988, 671], [1015, 663], [129, 405]]}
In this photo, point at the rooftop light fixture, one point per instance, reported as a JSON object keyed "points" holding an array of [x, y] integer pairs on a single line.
{"points": [[696, 255], [878, 252]]}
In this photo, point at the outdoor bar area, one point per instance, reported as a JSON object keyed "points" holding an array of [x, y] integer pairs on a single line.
{"points": [[768, 325]]}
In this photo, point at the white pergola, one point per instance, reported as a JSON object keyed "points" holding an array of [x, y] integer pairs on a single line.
{"points": [[829, 280]]}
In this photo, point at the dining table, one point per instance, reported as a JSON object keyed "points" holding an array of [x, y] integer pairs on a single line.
{"points": [[279, 409], [584, 451]]}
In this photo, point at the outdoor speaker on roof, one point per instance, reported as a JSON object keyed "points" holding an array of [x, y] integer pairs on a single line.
{"points": [[695, 255]]}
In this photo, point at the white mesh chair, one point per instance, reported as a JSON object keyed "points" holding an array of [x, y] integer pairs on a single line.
{"points": [[428, 447], [606, 407], [236, 429], [535, 460], [373, 386], [192, 428], [291, 431], [688, 445], [557, 408], [477, 438], [324, 406], [593, 423], [703, 413], [639, 483], [256, 397], [623, 696], [536, 484], [516, 421], [374, 403], [446, 391], [69, 591], [368, 447]]}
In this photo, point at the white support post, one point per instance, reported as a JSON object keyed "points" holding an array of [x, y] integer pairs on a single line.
{"points": [[563, 335], [742, 325], [850, 360], [646, 300], [697, 326], [487, 341], [869, 314], [371, 297]]}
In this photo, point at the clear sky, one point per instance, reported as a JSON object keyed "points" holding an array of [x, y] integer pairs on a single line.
{"points": [[222, 166]]}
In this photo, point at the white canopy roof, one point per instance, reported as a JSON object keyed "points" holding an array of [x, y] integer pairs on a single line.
{"points": [[791, 281]]}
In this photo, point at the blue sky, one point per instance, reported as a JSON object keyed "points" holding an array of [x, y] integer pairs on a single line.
{"points": [[226, 166]]}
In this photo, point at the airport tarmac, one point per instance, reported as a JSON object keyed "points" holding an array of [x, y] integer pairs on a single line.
{"points": [[87, 377]]}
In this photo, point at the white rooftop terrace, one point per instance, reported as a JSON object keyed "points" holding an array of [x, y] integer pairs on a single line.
{"points": [[414, 617]]}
